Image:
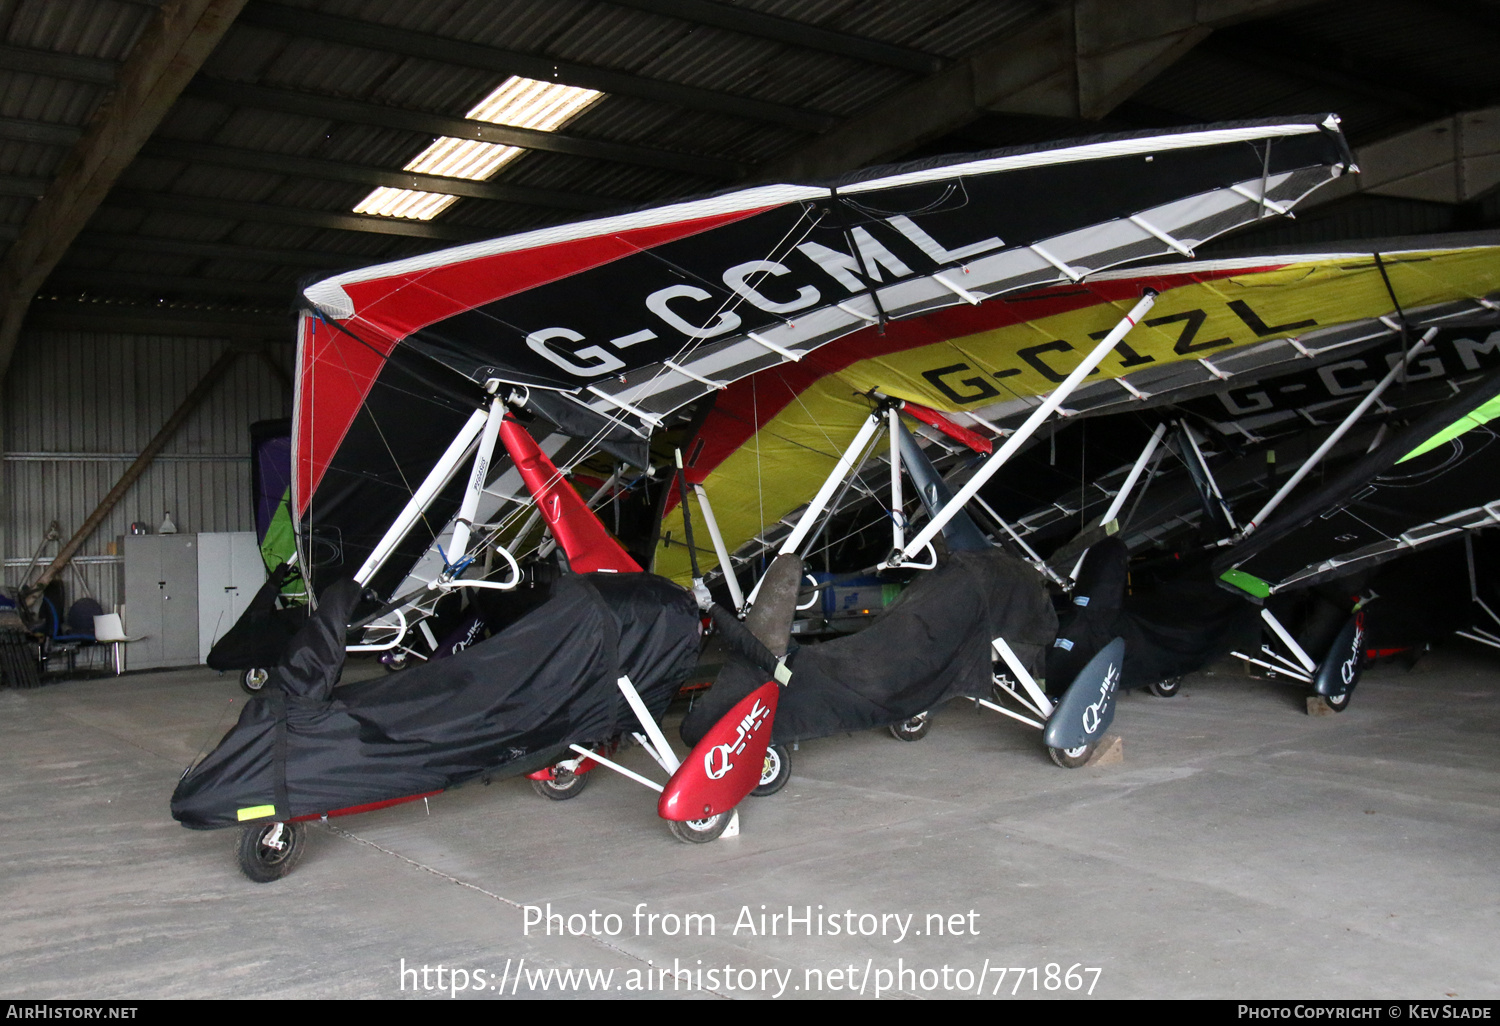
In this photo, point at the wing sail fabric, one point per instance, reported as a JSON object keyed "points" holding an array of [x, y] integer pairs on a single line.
{"points": [[640, 313], [1216, 326], [1437, 478]]}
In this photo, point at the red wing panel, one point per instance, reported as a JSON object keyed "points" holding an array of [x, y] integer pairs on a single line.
{"points": [[957, 432], [747, 405], [588, 545], [334, 375], [403, 303]]}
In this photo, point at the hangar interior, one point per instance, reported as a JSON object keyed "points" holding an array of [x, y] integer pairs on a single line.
{"points": [[173, 173]]}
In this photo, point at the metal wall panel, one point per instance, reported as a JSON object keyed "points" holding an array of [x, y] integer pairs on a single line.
{"points": [[78, 407]]}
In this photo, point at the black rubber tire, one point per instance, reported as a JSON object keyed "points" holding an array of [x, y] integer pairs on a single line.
{"points": [[564, 784], [253, 681], [700, 831], [914, 729], [1338, 703], [398, 662], [1165, 688], [262, 862], [775, 773], [1071, 758]]}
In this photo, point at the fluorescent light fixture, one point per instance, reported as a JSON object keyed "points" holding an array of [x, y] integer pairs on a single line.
{"points": [[518, 102]]}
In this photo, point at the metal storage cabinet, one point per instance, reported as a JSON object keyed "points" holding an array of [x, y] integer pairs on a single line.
{"points": [[230, 571], [161, 599]]}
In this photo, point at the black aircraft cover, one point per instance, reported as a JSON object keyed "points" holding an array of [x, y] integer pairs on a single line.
{"points": [[1435, 479], [507, 705], [1181, 624], [932, 644], [1089, 622], [263, 631]]}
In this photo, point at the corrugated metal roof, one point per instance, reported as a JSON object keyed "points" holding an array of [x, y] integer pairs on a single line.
{"points": [[13, 209], [626, 119], [27, 160], [559, 171], [1447, 50], [524, 25], [40, 98], [950, 30], [94, 28]]}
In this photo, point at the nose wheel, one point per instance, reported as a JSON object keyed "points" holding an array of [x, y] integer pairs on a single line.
{"points": [[1071, 758], [562, 785], [700, 831], [914, 729], [776, 772], [1165, 688], [269, 851]]}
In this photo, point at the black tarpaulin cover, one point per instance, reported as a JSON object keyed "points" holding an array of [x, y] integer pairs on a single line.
{"points": [[932, 644], [509, 704], [1174, 628], [263, 632], [1089, 622], [1181, 625]]}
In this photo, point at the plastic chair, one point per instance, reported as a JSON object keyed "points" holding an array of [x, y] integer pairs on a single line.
{"points": [[108, 630], [65, 637]]}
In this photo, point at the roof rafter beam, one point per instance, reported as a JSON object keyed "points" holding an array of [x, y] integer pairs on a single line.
{"points": [[1295, 58], [47, 133], [239, 210], [785, 30], [240, 94], [222, 251], [302, 22], [1448, 160], [312, 167], [1481, 16], [157, 284], [16, 185], [66, 315], [1078, 60], [73, 67], [169, 52]]}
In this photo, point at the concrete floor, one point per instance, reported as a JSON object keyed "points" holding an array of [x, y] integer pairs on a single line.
{"points": [[1242, 850]]}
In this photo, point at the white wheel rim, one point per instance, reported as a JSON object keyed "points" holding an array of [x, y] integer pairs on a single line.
{"points": [[771, 768]]}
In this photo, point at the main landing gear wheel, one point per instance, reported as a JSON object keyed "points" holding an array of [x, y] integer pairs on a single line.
{"points": [[775, 773], [1071, 758], [1165, 688], [1338, 703], [254, 681], [397, 662], [269, 851], [700, 831], [563, 785], [914, 729]]}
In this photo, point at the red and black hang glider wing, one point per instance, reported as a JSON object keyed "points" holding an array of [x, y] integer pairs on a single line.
{"points": [[638, 314]]}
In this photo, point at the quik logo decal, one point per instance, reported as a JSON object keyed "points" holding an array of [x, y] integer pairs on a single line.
{"points": [[470, 636], [717, 760], [1350, 668], [1093, 715]]}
